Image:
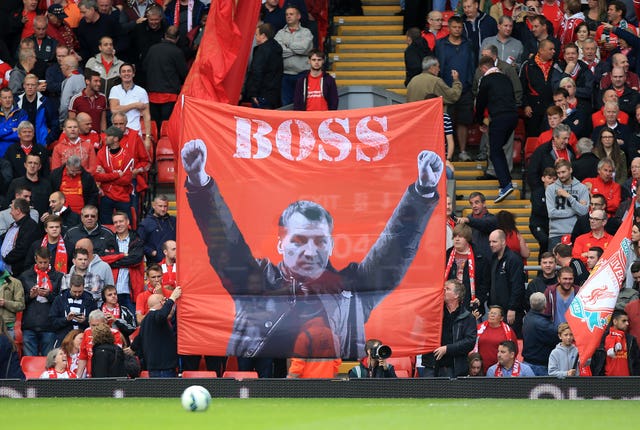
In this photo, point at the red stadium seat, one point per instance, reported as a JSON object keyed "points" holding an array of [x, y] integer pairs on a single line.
{"points": [[144, 374], [474, 135], [164, 129], [17, 329], [401, 373], [240, 375], [154, 131], [519, 355], [520, 132], [165, 159], [199, 374], [401, 363], [446, 15], [33, 364], [232, 363], [517, 150]]}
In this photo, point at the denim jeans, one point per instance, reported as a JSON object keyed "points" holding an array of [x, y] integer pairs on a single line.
{"points": [[164, 373], [37, 342]]}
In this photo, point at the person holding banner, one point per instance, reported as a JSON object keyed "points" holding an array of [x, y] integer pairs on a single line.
{"points": [[304, 286], [619, 354]]}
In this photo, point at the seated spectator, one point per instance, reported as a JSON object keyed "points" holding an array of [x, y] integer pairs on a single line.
{"points": [[563, 360], [72, 84], [107, 358], [59, 30], [539, 335], [85, 359], [71, 347], [56, 366], [605, 185], [490, 334], [71, 144], [17, 153], [475, 364], [40, 187], [77, 185], [507, 365], [41, 286], [372, 366], [101, 238]]}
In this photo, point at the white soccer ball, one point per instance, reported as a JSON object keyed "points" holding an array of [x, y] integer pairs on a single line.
{"points": [[196, 398]]}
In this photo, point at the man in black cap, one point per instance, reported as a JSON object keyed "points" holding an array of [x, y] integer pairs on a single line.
{"points": [[114, 173]]}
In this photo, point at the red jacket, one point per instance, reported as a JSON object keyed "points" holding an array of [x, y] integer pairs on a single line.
{"points": [[64, 149], [114, 185], [133, 143], [610, 190]]}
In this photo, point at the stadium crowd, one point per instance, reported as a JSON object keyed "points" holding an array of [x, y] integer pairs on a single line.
{"points": [[83, 85]]}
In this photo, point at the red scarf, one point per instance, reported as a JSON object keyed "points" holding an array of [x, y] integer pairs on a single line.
{"points": [[545, 66], [176, 16], [60, 263], [472, 270], [484, 325], [115, 311], [43, 278], [515, 370], [53, 374]]}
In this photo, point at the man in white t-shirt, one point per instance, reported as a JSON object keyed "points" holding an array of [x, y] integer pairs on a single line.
{"points": [[133, 101]]}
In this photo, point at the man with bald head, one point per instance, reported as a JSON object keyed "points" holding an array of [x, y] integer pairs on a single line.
{"points": [[72, 84], [507, 280], [86, 132], [58, 206], [156, 342], [627, 96]]}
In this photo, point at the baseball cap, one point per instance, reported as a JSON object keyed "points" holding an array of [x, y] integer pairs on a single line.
{"points": [[57, 10]]}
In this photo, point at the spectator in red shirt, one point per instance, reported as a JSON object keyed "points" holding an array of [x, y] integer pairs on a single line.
{"points": [[91, 101], [317, 90], [596, 237], [605, 185], [490, 333]]}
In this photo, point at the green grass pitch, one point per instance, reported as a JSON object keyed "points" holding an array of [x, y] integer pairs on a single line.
{"points": [[325, 414]]}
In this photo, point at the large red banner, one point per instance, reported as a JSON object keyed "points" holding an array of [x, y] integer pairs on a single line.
{"points": [[357, 254]]}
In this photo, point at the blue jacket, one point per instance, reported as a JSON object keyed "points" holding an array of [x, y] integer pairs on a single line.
{"points": [[9, 127], [479, 29], [540, 338], [198, 9], [456, 57], [47, 124]]}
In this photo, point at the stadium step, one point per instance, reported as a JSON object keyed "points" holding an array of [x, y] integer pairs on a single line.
{"points": [[344, 66], [379, 10]]}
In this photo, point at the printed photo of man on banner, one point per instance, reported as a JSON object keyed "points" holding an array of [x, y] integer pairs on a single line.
{"points": [[302, 234]]}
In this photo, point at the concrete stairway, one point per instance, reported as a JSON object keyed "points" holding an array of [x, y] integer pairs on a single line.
{"points": [[369, 49]]}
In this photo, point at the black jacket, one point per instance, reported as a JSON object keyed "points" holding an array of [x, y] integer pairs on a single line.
{"points": [[166, 68], [104, 241], [16, 156], [413, 56], [107, 361], [62, 306], [507, 281], [586, 166], [28, 232], [538, 91], [89, 186], [495, 92], [542, 157], [264, 77], [36, 314], [40, 192], [540, 338], [156, 342]]}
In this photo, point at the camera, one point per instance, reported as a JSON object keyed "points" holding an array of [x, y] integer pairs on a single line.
{"points": [[381, 352], [475, 306]]}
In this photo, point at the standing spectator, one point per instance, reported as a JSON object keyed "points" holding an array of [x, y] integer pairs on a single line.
{"points": [[5, 216], [117, 315], [107, 65], [17, 240], [11, 300], [548, 154], [156, 228], [58, 207], [92, 283], [573, 17], [539, 217], [586, 166], [264, 77], [620, 350], [563, 256], [563, 360], [71, 309], [507, 365], [510, 49], [32, 179], [477, 26], [481, 221], [107, 358], [70, 144], [17, 153], [144, 35], [538, 76], [168, 264], [539, 336], [607, 41], [596, 237], [114, 175], [507, 280], [515, 240], [315, 90], [59, 30], [44, 45], [27, 64], [96, 318], [91, 101], [546, 278], [41, 286], [593, 256], [154, 286], [428, 84], [622, 132], [607, 147], [92, 27], [156, 343], [435, 29], [272, 13], [10, 117], [496, 94], [454, 52], [133, 101], [52, 240], [54, 77], [185, 14], [560, 296], [129, 269], [566, 199], [605, 185], [77, 185], [73, 84], [417, 49], [40, 111], [296, 42], [491, 333], [457, 338], [166, 70]]}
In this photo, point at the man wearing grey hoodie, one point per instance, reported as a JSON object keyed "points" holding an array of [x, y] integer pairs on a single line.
{"points": [[566, 199]]}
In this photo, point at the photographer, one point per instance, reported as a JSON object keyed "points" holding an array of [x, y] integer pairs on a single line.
{"points": [[457, 339], [374, 365]]}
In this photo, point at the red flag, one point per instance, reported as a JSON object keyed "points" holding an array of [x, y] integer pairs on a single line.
{"points": [[591, 309], [217, 74]]}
